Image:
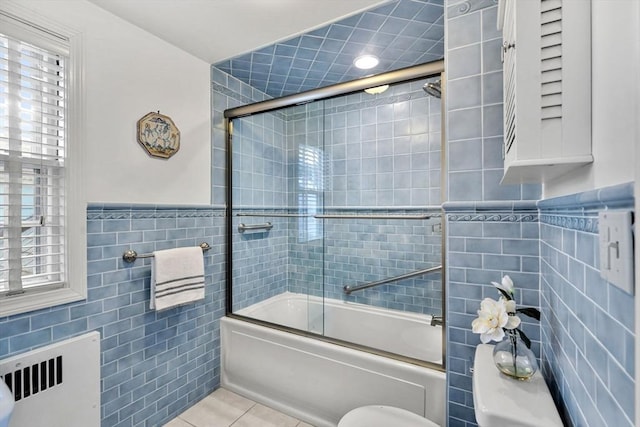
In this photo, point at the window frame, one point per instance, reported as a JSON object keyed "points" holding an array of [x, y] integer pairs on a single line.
{"points": [[42, 32]]}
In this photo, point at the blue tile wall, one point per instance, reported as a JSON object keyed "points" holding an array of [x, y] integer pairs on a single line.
{"points": [[474, 104], [483, 247], [358, 251], [154, 365], [318, 153], [491, 229], [588, 324], [259, 182], [384, 150], [229, 92], [260, 160], [260, 259]]}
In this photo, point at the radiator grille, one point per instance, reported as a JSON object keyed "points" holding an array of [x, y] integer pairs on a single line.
{"points": [[31, 380], [51, 382]]}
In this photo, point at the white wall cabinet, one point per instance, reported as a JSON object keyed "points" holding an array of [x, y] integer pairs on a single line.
{"points": [[547, 88]]}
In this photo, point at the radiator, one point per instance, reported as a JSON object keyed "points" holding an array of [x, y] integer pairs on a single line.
{"points": [[57, 385]]}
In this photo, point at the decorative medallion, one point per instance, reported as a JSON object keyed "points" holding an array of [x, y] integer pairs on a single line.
{"points": [[158, 135]]}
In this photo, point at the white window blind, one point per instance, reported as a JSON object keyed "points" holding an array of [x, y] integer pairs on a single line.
{"points": [[32, 162], [310, 186]]}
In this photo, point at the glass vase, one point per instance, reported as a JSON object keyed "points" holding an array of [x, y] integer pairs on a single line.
{"points": [[513, 358]]}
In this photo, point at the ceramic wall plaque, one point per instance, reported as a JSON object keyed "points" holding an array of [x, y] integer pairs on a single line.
{"points": [[158, 135]]}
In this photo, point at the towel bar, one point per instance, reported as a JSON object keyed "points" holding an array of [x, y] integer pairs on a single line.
{"points": [[130, 255]]}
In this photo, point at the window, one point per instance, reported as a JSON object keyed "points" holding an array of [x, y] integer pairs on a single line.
{"points": [[37, 199], [310, 186]]}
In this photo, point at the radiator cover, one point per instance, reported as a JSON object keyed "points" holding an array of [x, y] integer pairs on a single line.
{"points": [[56, 385]]}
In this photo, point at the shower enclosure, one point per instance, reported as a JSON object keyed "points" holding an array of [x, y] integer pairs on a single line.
{"points": [[334, 201]]}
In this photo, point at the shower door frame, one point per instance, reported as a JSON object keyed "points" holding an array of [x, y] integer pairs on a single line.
{"points": [[403, 75]]}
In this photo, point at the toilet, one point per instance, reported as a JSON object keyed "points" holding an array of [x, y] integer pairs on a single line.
{"points": [[503, 401], [6, 404], [383, 416]]}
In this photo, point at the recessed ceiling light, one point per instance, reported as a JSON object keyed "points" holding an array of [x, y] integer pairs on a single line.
{"points": [[376, 90], [365, 62]]}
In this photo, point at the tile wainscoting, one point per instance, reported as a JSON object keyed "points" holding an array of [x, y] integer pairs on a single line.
{"points": [[485, 240], [154, 365], [588, 324]]}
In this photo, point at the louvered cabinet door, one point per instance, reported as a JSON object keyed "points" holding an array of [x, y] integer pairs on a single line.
{"points": [[547, 88]]}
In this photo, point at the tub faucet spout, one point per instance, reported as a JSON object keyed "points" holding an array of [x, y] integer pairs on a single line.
{"points": [[436, 320]]}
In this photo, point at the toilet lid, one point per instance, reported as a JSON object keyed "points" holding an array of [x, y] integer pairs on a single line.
{"points": [[383, 416]]}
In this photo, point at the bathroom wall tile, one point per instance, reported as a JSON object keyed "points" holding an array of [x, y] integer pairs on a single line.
{"points": [[493, 190], [465, 124], [465, 155], [464, 61], [593, 309], [492, 248], [464, 185], [465, 92], [464, 30], [117, 307], [492, 88], [490, 24], [491, 60], [492, 121]]}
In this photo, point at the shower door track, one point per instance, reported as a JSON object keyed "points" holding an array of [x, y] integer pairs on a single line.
{"points": [[404, 74]]}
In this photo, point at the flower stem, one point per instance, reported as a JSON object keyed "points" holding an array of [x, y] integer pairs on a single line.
{"points": [[514, 351]]}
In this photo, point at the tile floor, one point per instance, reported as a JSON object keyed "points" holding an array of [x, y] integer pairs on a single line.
{"points": [[223, 408]]}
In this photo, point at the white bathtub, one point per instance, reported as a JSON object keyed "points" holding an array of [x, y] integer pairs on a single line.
{"points": [[319, 382]]}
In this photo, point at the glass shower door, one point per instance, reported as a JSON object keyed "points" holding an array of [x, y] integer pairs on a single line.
{"points": [[337, 193], [382, 219], [276, 191]]}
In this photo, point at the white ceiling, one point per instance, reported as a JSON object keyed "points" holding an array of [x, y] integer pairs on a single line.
{"points": [[214, 30]]}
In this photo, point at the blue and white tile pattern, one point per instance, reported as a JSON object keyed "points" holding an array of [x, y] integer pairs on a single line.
{"points": [[401, 33]]}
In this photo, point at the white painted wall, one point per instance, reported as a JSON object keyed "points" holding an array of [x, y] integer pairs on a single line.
{"points": [[615, 49], [128, 73]]}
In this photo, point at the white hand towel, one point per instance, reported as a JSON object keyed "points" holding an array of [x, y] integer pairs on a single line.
{"points": [[177, 277]]}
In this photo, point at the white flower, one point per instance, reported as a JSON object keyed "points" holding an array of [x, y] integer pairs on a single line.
{"points": [[514, 321], [506, 285], [492, 317]]}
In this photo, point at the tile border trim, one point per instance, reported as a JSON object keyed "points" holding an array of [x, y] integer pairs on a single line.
{"points": [[100, 212], [493, 217], [491, 206], [615, 196], [588, 224]]}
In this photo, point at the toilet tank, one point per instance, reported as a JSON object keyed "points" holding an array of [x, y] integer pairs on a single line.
{"points": [[503, 401]]}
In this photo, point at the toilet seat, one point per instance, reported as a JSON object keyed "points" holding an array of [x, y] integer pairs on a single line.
{"points": [[383, 416]]}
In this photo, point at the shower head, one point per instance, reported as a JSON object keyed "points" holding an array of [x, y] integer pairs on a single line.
{"points": [[433, 88]]}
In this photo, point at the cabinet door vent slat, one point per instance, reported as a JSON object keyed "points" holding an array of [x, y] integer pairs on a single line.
{"points": [[551, 59]]}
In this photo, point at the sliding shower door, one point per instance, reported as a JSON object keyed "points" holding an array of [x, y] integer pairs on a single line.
{"points": [[278, 183], [334, 205], [382, 220]]}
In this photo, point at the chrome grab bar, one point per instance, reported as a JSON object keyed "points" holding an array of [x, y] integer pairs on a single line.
{"points": [[348, 289], [243, 227]]}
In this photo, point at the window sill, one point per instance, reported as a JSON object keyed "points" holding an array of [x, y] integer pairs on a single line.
{"points": [[31, 302]]}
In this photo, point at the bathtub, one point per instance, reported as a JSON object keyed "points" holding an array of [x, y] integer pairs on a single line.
{"points": [[318, 381]]}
